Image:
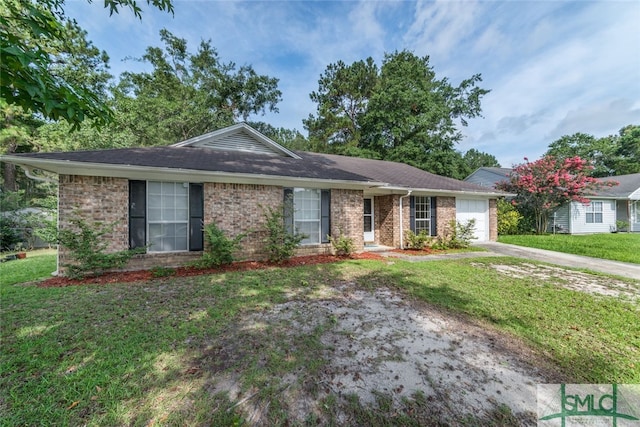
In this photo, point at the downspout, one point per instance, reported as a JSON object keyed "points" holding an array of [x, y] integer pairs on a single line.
{"points": [[29, 173], [401, 219]]}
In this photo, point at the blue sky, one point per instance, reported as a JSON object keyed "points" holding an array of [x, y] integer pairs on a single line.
{"points": [[553, 67]]}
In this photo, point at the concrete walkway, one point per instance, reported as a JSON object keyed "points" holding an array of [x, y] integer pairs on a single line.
{"points": [[624, 269]]}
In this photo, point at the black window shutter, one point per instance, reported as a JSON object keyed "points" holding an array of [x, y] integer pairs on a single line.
{"points": [[288, 210], [137, 214], [412, 213], [434, 219], [325, 215], [196, 215]]}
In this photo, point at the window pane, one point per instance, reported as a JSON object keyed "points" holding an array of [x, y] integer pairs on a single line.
{"points": [[367, 206], [423, 213], [155, 214], [168, 216], [368, 226], [311, 229]]}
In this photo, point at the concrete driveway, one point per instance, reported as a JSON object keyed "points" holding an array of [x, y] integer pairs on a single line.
{"points": [[623, 269]]}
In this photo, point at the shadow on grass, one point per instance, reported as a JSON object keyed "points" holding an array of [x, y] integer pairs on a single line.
{"points": [[145, 353]]}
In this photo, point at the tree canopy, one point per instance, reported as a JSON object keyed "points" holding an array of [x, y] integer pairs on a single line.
{"points": [[609, 156], [31, 37], [399, 111], [188, 94]]}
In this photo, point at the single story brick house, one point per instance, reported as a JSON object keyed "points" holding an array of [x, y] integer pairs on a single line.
{"points": [[607, 205], [161, 196]]}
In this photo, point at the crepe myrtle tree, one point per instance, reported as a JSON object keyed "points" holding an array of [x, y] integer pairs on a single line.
{"points": [[545, 184]]}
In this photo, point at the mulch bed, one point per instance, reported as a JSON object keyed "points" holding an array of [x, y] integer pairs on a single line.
{"points": [[145, 275]]}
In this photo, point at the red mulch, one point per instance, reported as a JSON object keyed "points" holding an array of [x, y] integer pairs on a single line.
{"points": [[144, 275]]}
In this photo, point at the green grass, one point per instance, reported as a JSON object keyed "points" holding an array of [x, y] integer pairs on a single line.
{"points": [[37, 265], [151, 353], [623, 247]]}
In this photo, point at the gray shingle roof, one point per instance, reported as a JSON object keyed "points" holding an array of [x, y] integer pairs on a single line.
{"points": [[488, 176], [310, 166], [627, 184]]}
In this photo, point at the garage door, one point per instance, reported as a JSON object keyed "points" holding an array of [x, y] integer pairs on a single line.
{"points": [[467, 209]]}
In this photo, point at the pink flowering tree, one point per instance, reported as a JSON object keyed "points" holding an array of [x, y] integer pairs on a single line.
{"points": [[548, 183]]}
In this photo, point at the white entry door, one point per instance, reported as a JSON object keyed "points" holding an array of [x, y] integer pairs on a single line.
{"points": [[368, 220], [467, 209]]}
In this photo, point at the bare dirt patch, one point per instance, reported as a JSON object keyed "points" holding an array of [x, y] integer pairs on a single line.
{"points": [[570, 279], [375, 343]]}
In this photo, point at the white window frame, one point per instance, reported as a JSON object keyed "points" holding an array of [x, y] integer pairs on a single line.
{"points": [[422, 217], [593, 209], [150, 222], [299, 209]]}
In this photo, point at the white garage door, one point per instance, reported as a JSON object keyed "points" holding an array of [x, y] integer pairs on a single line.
{"points": [[467, 209]]}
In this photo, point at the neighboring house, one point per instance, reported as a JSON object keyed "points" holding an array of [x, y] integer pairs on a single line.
{"points": [[488, 176], [607, 205], [161, 196]]}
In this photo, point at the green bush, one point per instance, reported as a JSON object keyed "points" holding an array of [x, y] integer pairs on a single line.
{"points": [[456, 235], [87, 249], [508, 218], [160, 271], [219, 249], [342, 245], [9, 234], [417, 241], [280, 244]]}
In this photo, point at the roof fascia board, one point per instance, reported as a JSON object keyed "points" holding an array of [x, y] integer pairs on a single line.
{"points": [[430, 191], [236, 128]]}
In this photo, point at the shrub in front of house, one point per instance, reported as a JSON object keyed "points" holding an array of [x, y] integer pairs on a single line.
{"points": [[87, 249], [456, 235], [280, 243], [219, 249], [417, 241], [342, 245]]}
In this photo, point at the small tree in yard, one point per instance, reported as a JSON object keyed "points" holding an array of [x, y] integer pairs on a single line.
{"points": [[548, 183]]}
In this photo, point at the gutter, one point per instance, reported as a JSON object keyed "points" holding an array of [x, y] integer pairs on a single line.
{"points": [[401, 218]]}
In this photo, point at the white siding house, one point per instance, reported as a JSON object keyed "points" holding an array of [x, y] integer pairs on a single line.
{"points": [[608, 207]]}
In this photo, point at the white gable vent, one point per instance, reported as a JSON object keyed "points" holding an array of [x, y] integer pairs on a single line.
{"points": [[239, 137]]}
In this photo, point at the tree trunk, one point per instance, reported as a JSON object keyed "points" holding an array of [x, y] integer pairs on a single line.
{"points": [[9, 170], [541, 221]]}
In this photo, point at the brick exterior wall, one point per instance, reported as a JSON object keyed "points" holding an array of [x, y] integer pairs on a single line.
{"points": [[347, 211], [445, 212], [387, 221], [238, 208], [493, 220], [98, 200]]}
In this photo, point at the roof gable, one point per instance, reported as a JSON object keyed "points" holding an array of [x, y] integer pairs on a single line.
{"points": [[239, 137]]}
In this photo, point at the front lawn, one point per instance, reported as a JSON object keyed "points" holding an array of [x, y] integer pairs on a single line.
{"points": [[623, 247], [38, 264], [158, 352]]}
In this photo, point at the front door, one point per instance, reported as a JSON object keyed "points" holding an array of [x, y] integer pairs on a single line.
{"points": [[368, 220]]}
